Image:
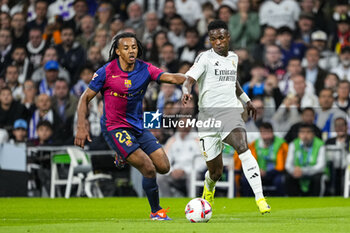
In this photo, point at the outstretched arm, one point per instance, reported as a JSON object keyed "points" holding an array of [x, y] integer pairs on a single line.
{"points": [[243, 96], [82, 131], [176, 78], [186, 89]]}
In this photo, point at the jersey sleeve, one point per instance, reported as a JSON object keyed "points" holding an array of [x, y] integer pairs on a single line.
{"points": [[98, 80], [154, 72], [198, 67]]}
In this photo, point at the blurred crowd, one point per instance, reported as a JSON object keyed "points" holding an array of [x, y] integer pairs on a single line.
{"points": [[294, 63]]}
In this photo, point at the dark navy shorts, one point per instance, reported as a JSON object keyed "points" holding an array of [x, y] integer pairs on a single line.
{"points": [[125, 141]]}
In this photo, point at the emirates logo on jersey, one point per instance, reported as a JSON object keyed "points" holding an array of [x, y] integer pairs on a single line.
{"points": [[127, 83]]}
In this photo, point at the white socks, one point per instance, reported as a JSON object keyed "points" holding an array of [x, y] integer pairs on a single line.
{"points": [[252, 173], [209, 183]]}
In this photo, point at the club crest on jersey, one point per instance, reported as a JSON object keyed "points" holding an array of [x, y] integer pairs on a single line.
{"points": [[127, 83], [95, 75], [128, 143]]}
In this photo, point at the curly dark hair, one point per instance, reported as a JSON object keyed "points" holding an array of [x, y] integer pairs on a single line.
{"points": [[115, 44], [217, 24]]}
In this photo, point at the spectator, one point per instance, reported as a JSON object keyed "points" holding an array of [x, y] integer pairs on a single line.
{"points": [[87, 27], [20, 59], [293, 68], [207, 14], [29, 92], [95, 57], [81, 9], [272, 96], [268, 38], [255, 86], [151, 28], [306, 98], [169, 11], [313, 73], [40, 20], [43, 112], [45, 133], [189, 10], [181, 149], [50, 54], [343, 69], [86, 74], [19, 31], [328, 59], [271, 153], [36, 47], [5, 47], [279, 13], [11, 77], [305, 26], [117, 25], [289, 48], [158, 40], [5, 20], [19, 131], [338, 164], [225, 12], [326, 114], [244, 27], [184, 67], [244, 65], [168, 59], [192, 47], [305, 164], [331, 82], [341, 38], [176, 34], [307, 117], [70, 54], [10, 110], [168, 92], [310, 7], [273, 61], [135, 20], [51, 75], [120, 7], [342, 101], [104, 15], [286, 115], [65, 105], [101, 40]]}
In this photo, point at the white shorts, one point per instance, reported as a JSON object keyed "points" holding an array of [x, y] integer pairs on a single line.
{"points": [[211, 142]]}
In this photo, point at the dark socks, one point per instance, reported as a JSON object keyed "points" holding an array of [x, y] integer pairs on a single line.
{"points": [[151, 188]]}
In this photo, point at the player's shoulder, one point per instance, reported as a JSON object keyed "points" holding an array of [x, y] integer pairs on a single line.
{"points": [[101, 72], [232, 54], [203, 56]]}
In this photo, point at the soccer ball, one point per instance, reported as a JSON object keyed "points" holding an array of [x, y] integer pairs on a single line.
{"points": [[198, 210]]}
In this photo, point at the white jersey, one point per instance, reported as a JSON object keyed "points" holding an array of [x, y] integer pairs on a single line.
{"points": [[216, 76]]}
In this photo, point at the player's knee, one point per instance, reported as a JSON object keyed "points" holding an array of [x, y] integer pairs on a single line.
{"points": [[164, 168], [149, 171]]}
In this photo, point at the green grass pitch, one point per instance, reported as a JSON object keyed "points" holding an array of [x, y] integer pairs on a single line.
{"points": [[131, 215]]}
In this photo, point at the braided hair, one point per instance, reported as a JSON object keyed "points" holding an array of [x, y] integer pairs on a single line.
{"points": [[113, 55]]}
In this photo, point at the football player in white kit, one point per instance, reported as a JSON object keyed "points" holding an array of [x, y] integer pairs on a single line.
{"points": [[215, 70]]}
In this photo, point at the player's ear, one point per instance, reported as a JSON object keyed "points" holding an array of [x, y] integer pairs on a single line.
{"points": [[117, 51]]}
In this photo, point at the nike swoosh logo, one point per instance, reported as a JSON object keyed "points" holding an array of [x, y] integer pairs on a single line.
{"points": [[115, 76]]}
